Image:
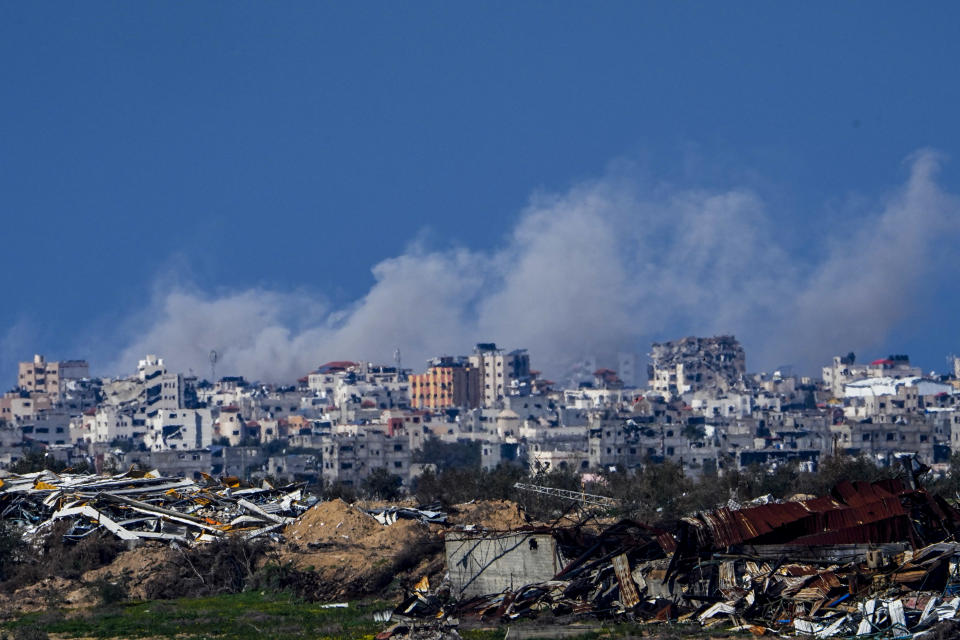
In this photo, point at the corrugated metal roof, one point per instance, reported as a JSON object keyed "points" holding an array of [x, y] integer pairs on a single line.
{"points": [[858, 512]]}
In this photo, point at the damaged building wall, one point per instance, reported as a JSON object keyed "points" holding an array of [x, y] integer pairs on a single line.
{"points": [[496, 562]]}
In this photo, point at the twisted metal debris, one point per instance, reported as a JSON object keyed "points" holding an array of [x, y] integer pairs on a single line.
{"points": [[137, 506], [878, 560]]}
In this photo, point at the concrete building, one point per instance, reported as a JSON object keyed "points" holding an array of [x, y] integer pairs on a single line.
{"points": [[349, 459], [45, 377], [449, 382], [19, 405], [881, 442], [294, 467], [49, 427], [161, 390], [501, 374], [844, 371], [230, 425], [692, 364], [182, 429], [107, 424], [242, 462], [189, 464]]}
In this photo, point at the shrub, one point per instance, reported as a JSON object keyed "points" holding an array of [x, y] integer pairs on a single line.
{"points": [[224, 566]]}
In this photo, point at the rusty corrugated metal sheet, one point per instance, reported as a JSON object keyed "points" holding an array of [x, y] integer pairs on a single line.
{"points": [[858, 494], [819, 505], [667, 542], [857, 513], [629, 597]]}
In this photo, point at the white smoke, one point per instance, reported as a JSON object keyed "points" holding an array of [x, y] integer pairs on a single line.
{"points": [[602, 268]]}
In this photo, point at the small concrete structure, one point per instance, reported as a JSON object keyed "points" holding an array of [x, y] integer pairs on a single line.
{"points": [[484, 562]]}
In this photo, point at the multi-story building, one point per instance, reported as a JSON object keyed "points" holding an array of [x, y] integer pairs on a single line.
{"points": [[180, 429], [230, 425], [501, 374], [844, 370], [349, 458], [882, 442], [50, 427], [109, 423], [693, 364], [20, 404], [162, 390], [45, 377], [449, 382]]}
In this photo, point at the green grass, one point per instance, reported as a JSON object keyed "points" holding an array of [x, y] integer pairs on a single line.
{"points": [[483, 634], [257, 615], [241, 616]]}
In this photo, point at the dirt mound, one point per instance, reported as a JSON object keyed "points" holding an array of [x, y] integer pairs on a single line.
{"points": [[135, 567], [497, 515], [355, 554], [47, 594], [333, 521]]}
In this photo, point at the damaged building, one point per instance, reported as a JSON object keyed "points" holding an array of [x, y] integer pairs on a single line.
{"points": [[695, 364], [874, 559]]}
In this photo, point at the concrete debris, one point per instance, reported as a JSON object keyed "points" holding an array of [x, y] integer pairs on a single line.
{"points": [[137, 506], [429, 514], [875, 560]]}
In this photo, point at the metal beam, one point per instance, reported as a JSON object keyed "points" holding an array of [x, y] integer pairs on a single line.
{"points": [[577, 496]]}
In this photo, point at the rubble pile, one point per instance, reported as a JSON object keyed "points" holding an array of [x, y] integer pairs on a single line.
{"points": [[427, 514], [136, 506], [358, 549], [870, 559], [498, 515]]}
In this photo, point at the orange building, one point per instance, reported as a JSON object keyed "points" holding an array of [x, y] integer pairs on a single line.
{"points": [[447, 383]]}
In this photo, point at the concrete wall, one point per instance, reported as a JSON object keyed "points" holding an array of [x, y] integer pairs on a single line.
{"points": [[493, 562]]}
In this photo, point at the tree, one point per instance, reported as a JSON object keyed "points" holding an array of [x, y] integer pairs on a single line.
{"points": [[13, 549], [382, 485], [654, 491], [834, 469], [449, 455], [37, 460], [948, 486]]}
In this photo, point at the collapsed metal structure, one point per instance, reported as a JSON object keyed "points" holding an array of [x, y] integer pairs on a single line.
{"points": [[137, 506], [870, 558]]}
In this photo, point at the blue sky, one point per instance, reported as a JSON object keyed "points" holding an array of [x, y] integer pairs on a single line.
{"points": [[231, 152]]}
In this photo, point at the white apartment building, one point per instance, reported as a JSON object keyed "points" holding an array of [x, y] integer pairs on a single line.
{"points": [[181, 429], [844, 370], [501, 374]]}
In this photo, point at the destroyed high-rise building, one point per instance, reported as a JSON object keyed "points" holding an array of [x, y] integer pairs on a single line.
{"points": [[694, 364]]}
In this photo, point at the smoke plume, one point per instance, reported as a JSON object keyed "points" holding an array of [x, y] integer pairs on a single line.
{"points": [[603, 268]]}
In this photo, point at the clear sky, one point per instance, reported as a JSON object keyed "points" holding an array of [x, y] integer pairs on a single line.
{"points": [[252, 163]]}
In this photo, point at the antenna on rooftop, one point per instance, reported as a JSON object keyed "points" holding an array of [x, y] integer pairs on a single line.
{"points": [[214, 356]]}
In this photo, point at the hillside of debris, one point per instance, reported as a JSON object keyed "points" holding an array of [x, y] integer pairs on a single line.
{"points": [[80, 540], [877, 557]]}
